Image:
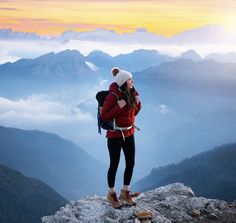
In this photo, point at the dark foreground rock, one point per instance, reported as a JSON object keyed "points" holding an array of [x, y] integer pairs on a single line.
{"points": [[173, 203]]}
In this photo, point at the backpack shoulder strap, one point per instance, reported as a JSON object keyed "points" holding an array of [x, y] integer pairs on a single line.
{"points": [[115, 95]]}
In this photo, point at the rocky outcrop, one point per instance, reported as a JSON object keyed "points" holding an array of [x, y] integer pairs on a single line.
{"points": [[173, 203]]}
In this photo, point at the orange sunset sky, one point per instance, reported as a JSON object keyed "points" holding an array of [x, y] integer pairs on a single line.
{"points": [[164, 17]]}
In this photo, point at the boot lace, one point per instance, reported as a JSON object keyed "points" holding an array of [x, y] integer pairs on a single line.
{"points": [[129, 195]]}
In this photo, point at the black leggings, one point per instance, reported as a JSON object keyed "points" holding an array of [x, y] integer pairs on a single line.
{"points": [[114, 147]]}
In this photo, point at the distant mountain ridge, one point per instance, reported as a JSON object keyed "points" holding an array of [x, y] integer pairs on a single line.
{"points": [[204, 34], [58, 162], [191, 55], [71, 65], [223, 58], [211, 174], [68, 64], [203, 71], [138, 60], [25, 199], [9, 34]]}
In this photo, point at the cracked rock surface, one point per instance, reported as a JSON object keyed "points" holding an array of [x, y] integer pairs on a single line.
{"points": [[173, 203]]}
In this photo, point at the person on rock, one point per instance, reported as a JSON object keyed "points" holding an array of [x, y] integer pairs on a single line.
{"points": [[121, 106]]}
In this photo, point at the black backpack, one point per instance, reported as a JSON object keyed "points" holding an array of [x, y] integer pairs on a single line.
{"points": [[109, 125]]}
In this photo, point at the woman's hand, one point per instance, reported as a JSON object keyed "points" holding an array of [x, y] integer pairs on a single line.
{"points": [[121, 103], [137, 99]]}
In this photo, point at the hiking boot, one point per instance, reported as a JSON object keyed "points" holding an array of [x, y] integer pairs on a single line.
{"points": [[136, 194], [112, 199], [126, 197]]}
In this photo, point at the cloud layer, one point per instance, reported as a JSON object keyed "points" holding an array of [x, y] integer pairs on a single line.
{"points": [[11, 51], [40, 111]]}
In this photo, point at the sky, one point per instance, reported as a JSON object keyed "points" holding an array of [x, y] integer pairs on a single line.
{"points": [[164, 17]]}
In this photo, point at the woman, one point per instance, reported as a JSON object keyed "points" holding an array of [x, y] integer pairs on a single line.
{"points": [[121, 105]]}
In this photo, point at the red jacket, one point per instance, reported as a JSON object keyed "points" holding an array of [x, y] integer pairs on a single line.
{"points": [[124, 117]]}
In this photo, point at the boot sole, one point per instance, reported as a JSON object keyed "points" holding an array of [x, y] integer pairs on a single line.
{"points": [[113, 206], [126, 202]]}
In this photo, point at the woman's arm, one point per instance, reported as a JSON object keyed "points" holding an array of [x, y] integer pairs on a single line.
{"points": [[138, 106], [110, 108]]}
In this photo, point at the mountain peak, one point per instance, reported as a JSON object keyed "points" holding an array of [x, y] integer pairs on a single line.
{"points": [[98, 53], [171, 203], [191, 54], [146, 51], [70, 52]]}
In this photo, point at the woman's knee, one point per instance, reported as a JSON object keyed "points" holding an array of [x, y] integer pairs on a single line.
{"points": [[114, 165], [130, 165]]}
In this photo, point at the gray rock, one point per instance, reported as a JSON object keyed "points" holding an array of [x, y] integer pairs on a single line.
{"points": [[213, 216], [173, 203], [196, 213]]}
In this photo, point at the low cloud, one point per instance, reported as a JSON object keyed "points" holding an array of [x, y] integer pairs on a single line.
{"points": [[62, 117], [39, 111], [104, 84], [204, 40], [160, 109], [6, 58], [10, 51], [163, 109]]}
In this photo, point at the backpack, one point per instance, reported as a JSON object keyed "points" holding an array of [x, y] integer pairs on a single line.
{"points": [[108, 125]]}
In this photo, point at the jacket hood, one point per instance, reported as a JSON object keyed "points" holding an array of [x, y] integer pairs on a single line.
{"points": [[114, 87]]}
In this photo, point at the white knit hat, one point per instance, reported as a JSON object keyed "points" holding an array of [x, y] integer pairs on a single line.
{"points": [[122, 76]]}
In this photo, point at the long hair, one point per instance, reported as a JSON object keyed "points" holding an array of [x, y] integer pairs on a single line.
{"points": [[129, 96]]}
